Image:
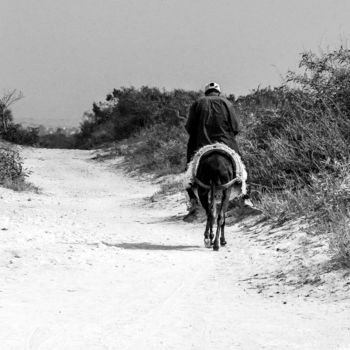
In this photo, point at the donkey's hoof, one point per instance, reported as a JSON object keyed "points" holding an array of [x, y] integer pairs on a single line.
{"points": [[215, 248], [223, 243], [207, 243]]}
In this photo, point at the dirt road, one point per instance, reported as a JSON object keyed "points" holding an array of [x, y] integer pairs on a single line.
{"points": [[89, 264]]}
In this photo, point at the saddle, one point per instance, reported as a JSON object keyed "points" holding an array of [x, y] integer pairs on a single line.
{"points": [[241, 173]]}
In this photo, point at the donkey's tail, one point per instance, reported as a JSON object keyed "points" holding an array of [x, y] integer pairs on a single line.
{"points": [[212, 199]]}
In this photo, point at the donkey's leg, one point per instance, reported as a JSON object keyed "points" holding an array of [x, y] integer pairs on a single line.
{"points": [[217, 234], [211, 218], [208, 233], [221, 223], [216, 240], [212, 212], [204, 199], [220, 232]]}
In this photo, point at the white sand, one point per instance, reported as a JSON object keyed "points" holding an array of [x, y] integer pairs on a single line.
{"points": [[89, 264]]}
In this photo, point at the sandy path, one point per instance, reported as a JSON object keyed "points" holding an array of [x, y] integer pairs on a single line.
{"points": [[86, 265]]}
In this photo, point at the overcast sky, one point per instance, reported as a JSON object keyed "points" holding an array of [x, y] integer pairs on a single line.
{"points": [[65, 54]]}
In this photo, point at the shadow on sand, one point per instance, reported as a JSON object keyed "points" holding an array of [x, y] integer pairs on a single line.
{"points": [[150, 246]]}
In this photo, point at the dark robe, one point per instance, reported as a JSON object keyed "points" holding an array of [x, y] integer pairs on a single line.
{"points": [[211, 119]]}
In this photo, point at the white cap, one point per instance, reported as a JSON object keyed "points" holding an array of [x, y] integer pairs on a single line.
{"points": [[212, 86]]}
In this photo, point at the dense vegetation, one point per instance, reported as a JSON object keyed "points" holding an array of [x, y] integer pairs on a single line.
{"points": [[20, 135], [301, 128], [296, 143], [127, 111]]}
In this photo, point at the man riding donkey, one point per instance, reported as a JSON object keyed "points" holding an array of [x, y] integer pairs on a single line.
{"points": [[211, 120]]}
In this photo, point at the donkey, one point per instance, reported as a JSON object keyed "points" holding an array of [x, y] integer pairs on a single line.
{"points": [[216, 179]]}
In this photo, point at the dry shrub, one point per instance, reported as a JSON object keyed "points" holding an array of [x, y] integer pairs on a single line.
{"points": [[160, 149], [301, 128], [128, 111], [340, 238], [170, 185], [283, 205], [285, 146], [10, 165], [295, 142], [324, 203], [332, 209], [12, 174]]}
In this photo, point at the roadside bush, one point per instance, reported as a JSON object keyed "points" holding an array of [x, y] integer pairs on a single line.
{"points": [[160, 149], [332, 209], [57, 139], [297, 149], [17, 134], [285, 146], [128, 111], [11, 170], [11, 164], [324, 204], [299, 129]]}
